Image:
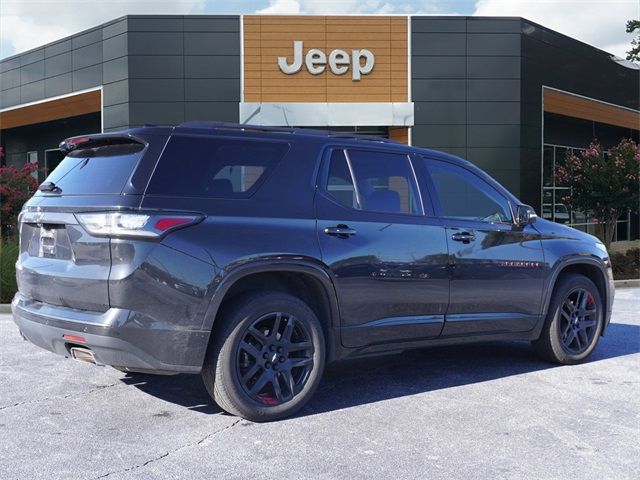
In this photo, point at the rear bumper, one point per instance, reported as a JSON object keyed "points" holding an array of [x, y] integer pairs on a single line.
{"points": [[116, 337]]}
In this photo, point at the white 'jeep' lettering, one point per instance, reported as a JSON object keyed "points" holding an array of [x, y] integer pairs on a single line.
{"points": [[361, 61]]}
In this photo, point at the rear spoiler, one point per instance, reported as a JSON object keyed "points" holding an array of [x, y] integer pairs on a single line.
{"points": [[97, 140]]}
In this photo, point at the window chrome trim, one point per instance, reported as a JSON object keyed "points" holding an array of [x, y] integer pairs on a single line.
{"points": [[416, 185], [353, 179]]}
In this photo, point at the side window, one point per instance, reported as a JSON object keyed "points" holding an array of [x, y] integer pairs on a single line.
{"points": [[465, 196], [213, 167], [373, 181]]}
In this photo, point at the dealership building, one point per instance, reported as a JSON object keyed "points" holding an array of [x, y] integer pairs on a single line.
{"points": [[505, 93]]}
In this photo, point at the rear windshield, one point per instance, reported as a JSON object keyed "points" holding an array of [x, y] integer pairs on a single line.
{"points": [[214, 167], [101, 169]]}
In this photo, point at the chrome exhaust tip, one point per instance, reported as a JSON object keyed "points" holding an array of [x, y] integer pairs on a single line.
{"points": [[82, 354]]}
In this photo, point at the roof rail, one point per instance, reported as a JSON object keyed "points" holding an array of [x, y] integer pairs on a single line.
{"points": [[300, 131]]}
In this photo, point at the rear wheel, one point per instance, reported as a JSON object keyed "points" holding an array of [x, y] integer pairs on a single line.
{"points": [[574, 321], [266, 356]]}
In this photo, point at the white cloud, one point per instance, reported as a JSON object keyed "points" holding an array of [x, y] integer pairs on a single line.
{"points": [[281, 7], [326, 7], [596, 22], [26, 24]]}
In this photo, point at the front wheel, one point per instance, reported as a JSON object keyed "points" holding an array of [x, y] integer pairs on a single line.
{"points": [[574, 321], [266, 356]]}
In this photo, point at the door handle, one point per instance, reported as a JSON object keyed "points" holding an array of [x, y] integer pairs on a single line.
{"points": [[341, 231], [464, 237]]}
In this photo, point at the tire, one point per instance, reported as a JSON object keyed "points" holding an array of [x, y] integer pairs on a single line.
{"points": [[246, 350], [569, 334]]}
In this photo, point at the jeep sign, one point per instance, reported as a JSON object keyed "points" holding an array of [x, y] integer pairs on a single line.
{"points": [[361, 61]]}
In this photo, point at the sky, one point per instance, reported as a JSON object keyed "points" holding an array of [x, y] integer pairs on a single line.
{"points": [[25, 24]]}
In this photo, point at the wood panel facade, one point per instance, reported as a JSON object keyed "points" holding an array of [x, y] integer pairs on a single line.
{"points": [[268, 37], [70, 106], [579, 107]]}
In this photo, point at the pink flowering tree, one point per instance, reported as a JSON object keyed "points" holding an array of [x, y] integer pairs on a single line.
{"points": [[17, 185], [605, 183]]}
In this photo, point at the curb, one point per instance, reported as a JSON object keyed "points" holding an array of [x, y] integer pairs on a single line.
{"points": [[5, 308], [634, 282]]}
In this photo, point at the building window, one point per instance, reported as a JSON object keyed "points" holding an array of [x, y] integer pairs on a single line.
{"points": [[32, 158], [553, 208]]}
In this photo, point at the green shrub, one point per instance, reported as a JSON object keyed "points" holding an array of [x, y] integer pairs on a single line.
{"points": [[626, 266], [9, 249]]}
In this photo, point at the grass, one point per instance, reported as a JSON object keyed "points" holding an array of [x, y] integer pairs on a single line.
{"points": [[9, 249]]}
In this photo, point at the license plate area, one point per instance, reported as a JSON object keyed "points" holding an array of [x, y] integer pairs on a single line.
{"points": [[46, 241], [47, 246]]}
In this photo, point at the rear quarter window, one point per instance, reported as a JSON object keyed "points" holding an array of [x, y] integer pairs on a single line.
{"points": [[214, 167], [103, 169]]}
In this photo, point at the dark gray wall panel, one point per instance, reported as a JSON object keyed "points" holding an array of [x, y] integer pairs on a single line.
{"points": [[211, 43], [32, 92], [212, 66], [493, 135], [493, 44], [432, 24], [490, 158], [58, 65], [32, 56], [155, 43], [87, 77], [115, 70], [115, 28], [210, 91], [87, 56], [116, 92], [10, 79], [9, 97], [155, 24], [218, 111], [10, 64], [32, 72], [116, 116], [114, 47], [57, 48], [438, 44], [156, 90], [157, 113], [59, 85], [493, 67], [499, 113], [203, 23], [438, 90], [437, 136], [87, 38], [493, 25], [493, 90], [438, 67], [156, 66], [440, 113]]}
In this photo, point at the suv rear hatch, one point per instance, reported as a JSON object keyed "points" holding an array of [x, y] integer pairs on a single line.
{"points": [[60, 263]]}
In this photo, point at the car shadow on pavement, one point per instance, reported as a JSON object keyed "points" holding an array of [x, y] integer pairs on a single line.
{"points": [[369, 380]]}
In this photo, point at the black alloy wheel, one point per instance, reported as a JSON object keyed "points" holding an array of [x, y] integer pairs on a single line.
{"points": [[578, 321], [574, 321], [274, 358], [266, 356]]}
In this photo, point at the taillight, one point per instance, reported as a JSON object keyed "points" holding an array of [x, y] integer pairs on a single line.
{"points": [[125, 224]]}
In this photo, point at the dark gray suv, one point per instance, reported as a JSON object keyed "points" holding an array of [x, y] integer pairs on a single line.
{"points": [[256, 255]]}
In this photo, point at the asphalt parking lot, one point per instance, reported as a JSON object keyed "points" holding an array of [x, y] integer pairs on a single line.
{"points": [[482, 411]]}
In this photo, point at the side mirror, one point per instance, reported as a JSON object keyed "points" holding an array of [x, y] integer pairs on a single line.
{"points": [[525, 215]]}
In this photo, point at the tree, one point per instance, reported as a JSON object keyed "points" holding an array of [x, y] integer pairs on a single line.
{"points": [[633, 55], [605, 183], [16, 187]]}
